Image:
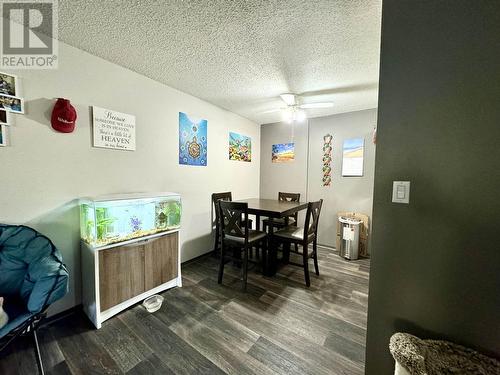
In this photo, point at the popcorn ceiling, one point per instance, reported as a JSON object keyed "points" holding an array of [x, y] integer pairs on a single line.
{"points": [[239, 54]]}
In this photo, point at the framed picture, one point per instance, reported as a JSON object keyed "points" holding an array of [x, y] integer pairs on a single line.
{"points": [[353, 155], [283, 153], [11, 103], [240, 147], [4, 117], [9, 84], [192, 141], [3, 135]]}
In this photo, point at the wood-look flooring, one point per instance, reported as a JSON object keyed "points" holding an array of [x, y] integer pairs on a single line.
{"points": [[278, 327]]}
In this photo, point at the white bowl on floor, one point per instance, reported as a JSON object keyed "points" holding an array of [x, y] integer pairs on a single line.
{"points": [[153, 303]]}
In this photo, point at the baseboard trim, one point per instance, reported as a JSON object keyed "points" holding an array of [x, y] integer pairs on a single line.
{"points": [[208, 253], [61, 315]]}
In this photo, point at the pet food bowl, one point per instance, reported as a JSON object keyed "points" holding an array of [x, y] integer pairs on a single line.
{"points": [[153, 303]]}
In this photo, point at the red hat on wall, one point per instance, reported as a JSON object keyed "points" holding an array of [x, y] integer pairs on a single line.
{"points": [[63, 116]]}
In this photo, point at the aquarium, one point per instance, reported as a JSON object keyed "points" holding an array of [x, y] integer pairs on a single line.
{"points": [[115, 218]]}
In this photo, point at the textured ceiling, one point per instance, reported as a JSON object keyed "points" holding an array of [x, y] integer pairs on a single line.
{"points": [[237, 54]]}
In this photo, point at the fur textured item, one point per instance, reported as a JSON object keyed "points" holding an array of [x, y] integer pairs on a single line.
{"points": [[4, 318], [437, 357]]}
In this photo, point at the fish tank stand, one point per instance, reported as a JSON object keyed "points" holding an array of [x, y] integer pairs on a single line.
{"points": [[135, 255]]}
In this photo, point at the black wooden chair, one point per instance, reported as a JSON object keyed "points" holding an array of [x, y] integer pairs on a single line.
{"points": [[216, 197], [285, 221], [302, 236], [226, 196], [237, 235]]}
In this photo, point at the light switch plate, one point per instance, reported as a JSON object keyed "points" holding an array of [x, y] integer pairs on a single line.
{"points": [[401, 192]]}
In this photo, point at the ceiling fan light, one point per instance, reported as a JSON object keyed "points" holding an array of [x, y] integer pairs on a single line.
{"points": [[300, 115], [287, 115]]}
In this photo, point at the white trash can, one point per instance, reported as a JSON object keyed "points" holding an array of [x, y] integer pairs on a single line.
{"points": [[349, 237]]}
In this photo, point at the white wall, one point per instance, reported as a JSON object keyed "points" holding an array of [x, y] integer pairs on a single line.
{"points": [[288, 177], [305, 173], [43, 171], [345, 193]]}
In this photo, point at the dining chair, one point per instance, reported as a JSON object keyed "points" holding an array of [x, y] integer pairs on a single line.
{"points": [[236, 233], [302, 236], [283, 222], [216, 197]]}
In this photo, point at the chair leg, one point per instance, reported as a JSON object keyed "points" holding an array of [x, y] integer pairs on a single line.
{"points": [[245, 268], [37, 350], [315, 257], [221, 264], [216, 240], [306, 265]]}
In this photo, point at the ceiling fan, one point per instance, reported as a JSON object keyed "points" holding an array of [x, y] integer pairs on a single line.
{"points": [[293, 111]]}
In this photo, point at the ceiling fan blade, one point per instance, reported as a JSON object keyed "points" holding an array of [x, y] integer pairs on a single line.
{"points": [[289, 99], [342, 89], [270, 111], [316, 105]]}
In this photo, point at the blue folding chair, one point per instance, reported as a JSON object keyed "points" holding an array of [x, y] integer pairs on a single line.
{"points": [[32, 277]]}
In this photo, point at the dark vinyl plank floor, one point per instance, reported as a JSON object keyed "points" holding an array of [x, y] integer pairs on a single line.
{"points": [[277, 327]]}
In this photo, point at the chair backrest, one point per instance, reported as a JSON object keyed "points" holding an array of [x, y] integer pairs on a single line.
{"points": [[312, 219], [290, 197], [233, 219], [226, 196], [31, 267]]}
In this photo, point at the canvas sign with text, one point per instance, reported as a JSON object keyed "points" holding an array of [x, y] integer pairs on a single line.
{"points": [[113, 129]]}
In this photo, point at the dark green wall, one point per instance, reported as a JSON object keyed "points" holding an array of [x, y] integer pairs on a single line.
{"points": [[436, 262]]}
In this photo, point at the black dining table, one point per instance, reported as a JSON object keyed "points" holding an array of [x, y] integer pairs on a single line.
{"points": [[272, 209]]}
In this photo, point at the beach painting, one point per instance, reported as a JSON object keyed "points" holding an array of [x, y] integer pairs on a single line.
{"points": [[283, 153], [240, 147], [192, 140], [352, 161]]}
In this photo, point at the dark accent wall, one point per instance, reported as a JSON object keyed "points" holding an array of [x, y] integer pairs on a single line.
{"points": [[435, 269]]}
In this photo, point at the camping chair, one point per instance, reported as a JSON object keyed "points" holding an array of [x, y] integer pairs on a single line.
{"points": [[32, 277]]}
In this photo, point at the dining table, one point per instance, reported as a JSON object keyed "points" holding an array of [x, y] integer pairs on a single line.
{"points": [[272, 209]]}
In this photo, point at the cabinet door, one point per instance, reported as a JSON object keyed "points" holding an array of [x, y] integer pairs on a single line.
{"points": [[161, 260], [121, 274]]}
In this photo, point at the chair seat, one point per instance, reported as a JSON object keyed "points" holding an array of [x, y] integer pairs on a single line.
{"points": [[18, 313], [280, 223], [292, 233], [253, 236]]}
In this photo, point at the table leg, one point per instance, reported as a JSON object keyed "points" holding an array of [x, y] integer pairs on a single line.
{"points": [[271, 259], [286, 252]]}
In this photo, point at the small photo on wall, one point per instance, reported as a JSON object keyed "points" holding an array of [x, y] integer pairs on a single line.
{"points": [[240, 147], [8, 84], [4, 117], [3, 135], [11, 104], [283, 153]]}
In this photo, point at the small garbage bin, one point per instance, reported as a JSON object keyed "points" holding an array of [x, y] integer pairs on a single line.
{"points": [[349, 235]]}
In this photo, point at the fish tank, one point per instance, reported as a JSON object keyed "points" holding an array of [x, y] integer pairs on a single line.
{"points": [[110, 219]]}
